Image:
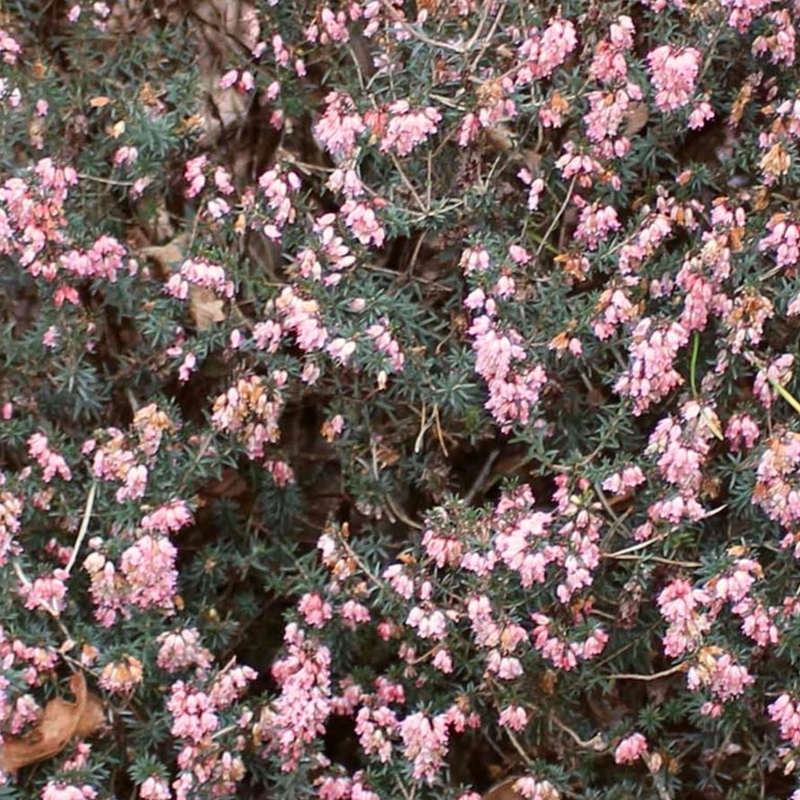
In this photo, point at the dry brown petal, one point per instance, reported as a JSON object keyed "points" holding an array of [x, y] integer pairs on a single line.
{"points": [[206, 308], [504, 791], [60, 722], [635, 119]]}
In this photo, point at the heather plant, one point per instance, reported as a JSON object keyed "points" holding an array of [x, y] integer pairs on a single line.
{"points": [[399, 398]]}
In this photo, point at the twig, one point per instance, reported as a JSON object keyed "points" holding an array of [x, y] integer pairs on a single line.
{"points": [[597, 743], [422, 207], [633, 548], [423, 426], [397, 18], [558, 216], [632, 676], [87, 515], [518, 747], [400, 514], [439, 434], [107, 181], [364, 568], [481, 477]]}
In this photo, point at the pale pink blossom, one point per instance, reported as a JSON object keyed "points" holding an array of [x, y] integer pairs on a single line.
{"points": [[407, 128], [180, 649], [630, 748], [673, 74], [316, 611]]}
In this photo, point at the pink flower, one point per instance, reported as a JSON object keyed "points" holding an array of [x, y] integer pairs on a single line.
{"points": [[181, 649], [193, 173], [425, 743], [150, 570], [595, 225], [408, 128], [354, 613], [541, 53], [121, 676], [58, 790], [786, 713], [154, 788], [52, 463], [532, 789], [673, 74], [513, 717], [315, 610], [125, 155], [298, 716], [47, 593], [9, 48], [680, 605], [783, 240], [630, 748], [168, 518], [430, 624], [718, 672], [193, 713], [340, 126], [361, 219]]}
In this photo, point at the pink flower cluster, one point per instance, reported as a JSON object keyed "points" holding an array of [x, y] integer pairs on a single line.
{"points": [[630, 748], [127, 457], [532, 788], [530, 545], [121, 676], [251, 411], [278, 187], [786, 712], [407, 128], [609, 64], [48, 592], [211, 755], [199, 272], [345, 788], [340, 125], [777, 489], [425, 743], [691, 613], [10, 48], [334, 257], [780, 42], [32, 214], [744, 12], [683, 608], [298, 716], [60, 790], [564, 650], [514, 389], [783, 240], [49, 461], [683, 448], [10, 522], [360, 217], [718, 672], [146, 577], [297, 316], [673, 74], [651, 375], [542, 52], [595, 224]]}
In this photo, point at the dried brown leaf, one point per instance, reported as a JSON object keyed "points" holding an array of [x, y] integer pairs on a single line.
{"points": [[205, 307], [635, 119], [61, 720], [167, 257], [504, 791]]}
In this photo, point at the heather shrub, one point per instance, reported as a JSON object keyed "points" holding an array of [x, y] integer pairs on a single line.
{"points": [[398, 398]]}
